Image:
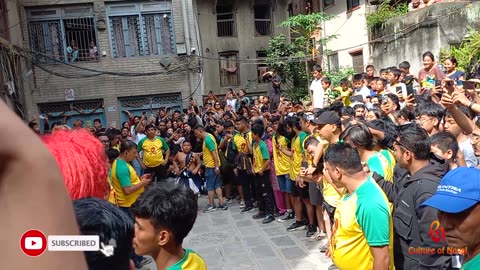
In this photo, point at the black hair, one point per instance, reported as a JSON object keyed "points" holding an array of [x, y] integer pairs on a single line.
{"points": [[125, 128], [430, 109], [293, 122], [377, 112], [257, 130], [359, 136], [242, 119], [112, 133], [148, 126], [404, 64], [414, 138], [429, 54], [344, 81], [112, 154], [327, 80], [407, 114], [453, 60], [275, 118], [32, 124], [395, 100], [347, 110], [97, 120], [127, 145], [99, 217], [344, 156], [357, 77], [168, 206], [396, 72], [228, 124], [369, 66], [445, 141], [199, 127], [361, 105], [317, 68]]}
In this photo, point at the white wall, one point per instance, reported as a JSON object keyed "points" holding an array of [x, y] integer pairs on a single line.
{"points": [[351, 31]]}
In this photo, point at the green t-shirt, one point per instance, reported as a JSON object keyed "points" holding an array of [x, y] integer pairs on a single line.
{"points": [[378, 163], [473, 264]]}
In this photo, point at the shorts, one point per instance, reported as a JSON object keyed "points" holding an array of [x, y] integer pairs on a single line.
{"points": [[316, 196], [228, 176], [300, 192], [212, 179], [284, 183], [330, 210], [241, 178]]}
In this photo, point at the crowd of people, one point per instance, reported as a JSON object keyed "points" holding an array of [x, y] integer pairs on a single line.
{"points": [[356, 168]]}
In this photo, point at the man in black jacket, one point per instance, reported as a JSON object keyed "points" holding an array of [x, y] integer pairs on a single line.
{"points": [[412, 224]]}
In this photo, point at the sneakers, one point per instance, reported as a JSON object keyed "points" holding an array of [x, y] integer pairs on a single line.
{"points": [[223, 207], [297, 225], [311, 230], [228, 200], [209, 208], [242, 204], [268, 219], [247, 209], [286, 217], [317, 236], [259, 215]]}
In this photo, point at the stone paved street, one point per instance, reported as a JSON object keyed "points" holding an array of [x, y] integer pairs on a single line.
{"points": [[234, 241]]}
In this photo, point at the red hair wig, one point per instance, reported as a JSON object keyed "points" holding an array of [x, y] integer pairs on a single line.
{"points": [[82, 161]]}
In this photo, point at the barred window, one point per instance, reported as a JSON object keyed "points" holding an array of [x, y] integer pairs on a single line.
{"points": [[62, 34], [146, 30], [229, 73]]}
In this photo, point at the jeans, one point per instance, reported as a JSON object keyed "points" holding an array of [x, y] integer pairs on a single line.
{"points": [[266, 202]]}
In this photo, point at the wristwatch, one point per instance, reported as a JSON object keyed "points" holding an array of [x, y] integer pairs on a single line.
{"points": [[217, 168]]}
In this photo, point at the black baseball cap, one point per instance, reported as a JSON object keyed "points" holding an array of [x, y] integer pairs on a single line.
{"points": [[326, 118]]}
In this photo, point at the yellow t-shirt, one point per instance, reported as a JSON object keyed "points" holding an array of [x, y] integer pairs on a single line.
{"points": [[240, 143], [362, 219], [152, 151], [124, 175], [330, 194], [280, 160], [260, 154], [190, 261], [297, 155], [345, 95], [209, 145]]}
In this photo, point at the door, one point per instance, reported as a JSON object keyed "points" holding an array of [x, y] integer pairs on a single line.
{"points": [[69, 112], [148, 104]]}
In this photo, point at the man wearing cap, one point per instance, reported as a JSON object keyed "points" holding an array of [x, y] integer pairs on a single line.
{"points": [[457, 201]]}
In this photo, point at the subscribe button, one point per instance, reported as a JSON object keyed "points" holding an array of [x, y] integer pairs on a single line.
{"points": [[34, 243]]}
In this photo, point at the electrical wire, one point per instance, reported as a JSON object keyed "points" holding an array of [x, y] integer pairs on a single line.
{"points": [[196, 88]]}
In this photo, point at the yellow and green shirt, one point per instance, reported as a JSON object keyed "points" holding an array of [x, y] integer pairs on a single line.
{"points": [[363, 219], [260, 154], [297, 155], [209, 145], [152, 151], [190, 261], [240, 143], [379, 163], [124, 175], [281, 161], [472, 264]]}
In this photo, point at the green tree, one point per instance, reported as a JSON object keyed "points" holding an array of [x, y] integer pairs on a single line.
{"points": [[289, 58]]}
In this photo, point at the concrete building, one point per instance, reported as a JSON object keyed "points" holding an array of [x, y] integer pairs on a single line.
{"points": [[407, 37], [97, 59], [234, 33], [12, 64], [350, 48]]}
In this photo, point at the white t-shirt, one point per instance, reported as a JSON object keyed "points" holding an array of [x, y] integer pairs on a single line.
{"points": [[393, 89], [468, 153], [318, 93], [364, 91]]}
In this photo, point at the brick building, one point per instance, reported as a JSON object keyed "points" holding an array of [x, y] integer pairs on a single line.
{"points": [[90, 60]]}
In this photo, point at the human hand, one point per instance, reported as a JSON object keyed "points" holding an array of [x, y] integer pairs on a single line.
{"points": [[146, 179], [460, 98], [447, 100]]}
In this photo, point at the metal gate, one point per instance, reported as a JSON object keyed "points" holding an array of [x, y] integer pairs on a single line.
{"points": [[86, 110], [149, 104]]}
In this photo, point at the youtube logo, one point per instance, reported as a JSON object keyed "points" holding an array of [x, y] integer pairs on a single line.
{"points": [[33, 243]]}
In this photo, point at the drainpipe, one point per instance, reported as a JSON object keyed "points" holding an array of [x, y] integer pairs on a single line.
{"points": [[186, 32]]}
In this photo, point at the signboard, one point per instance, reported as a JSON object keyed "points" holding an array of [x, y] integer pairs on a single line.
{"points": [[69, 94]]}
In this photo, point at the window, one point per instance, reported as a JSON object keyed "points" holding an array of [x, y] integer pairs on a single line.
{"points": [[142, 29], [328, 3], [357, 61], [229, 73], [226, 19], [262, 68], [333, 63], [351, 4], [263, 19], [63, 34]]}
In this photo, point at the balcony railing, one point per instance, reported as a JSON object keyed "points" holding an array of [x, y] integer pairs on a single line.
{"points": [[226, 25], [263, 27]]}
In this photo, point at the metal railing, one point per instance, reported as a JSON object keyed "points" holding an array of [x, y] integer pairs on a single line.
{"points": [[263, 27], [226, 25]]}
